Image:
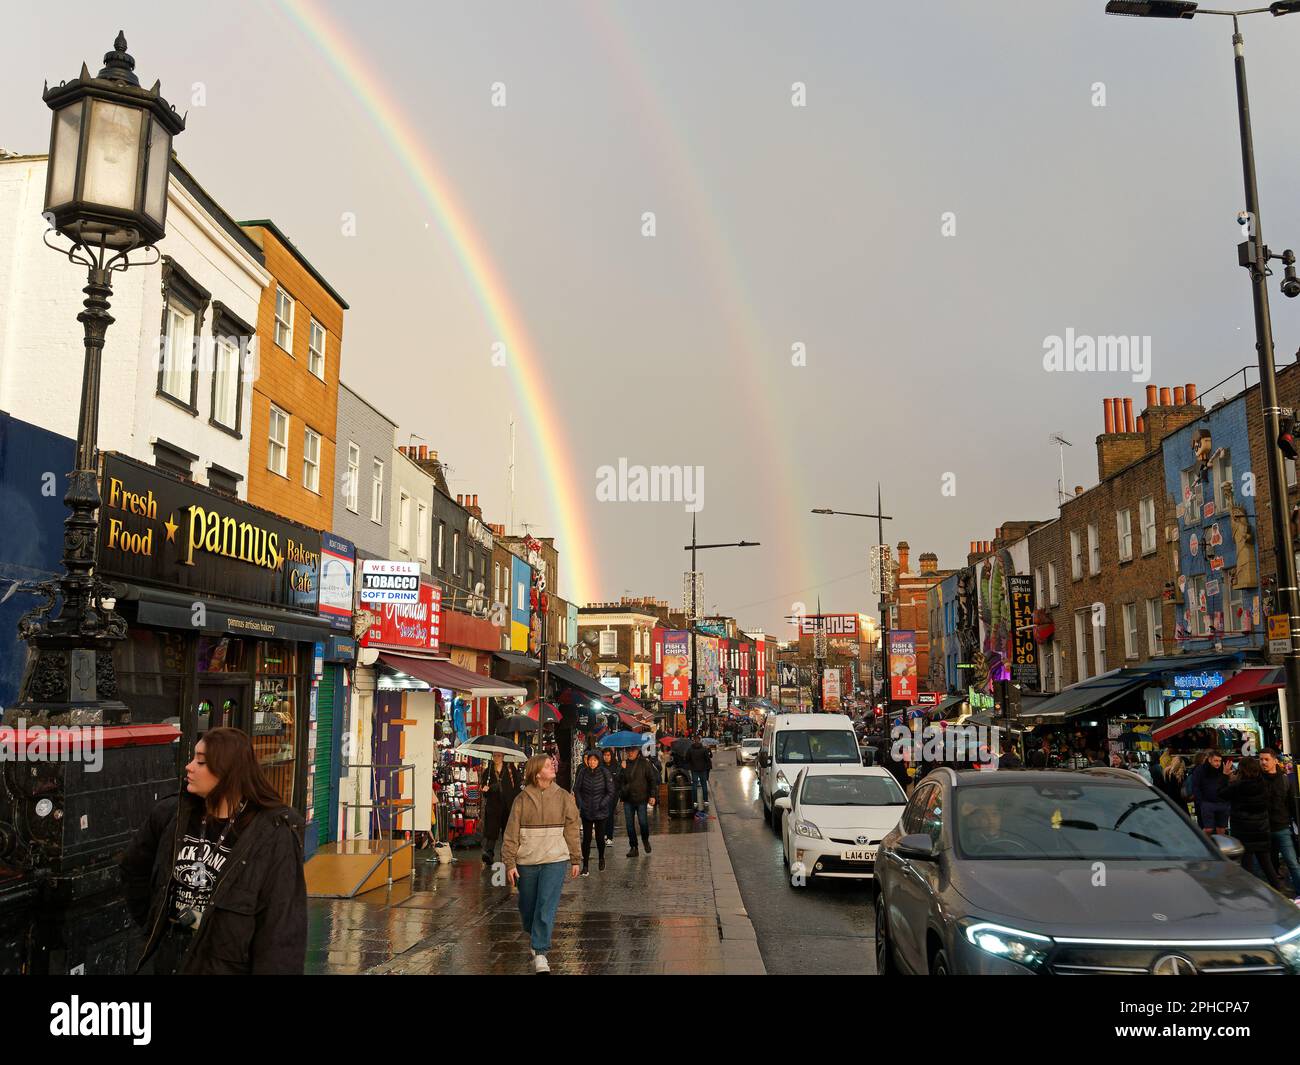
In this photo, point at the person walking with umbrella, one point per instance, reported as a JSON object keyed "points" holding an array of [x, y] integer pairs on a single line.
{"points": [[499, 784], [594, 790], [541, 849], [639, 784], [609, 763]]}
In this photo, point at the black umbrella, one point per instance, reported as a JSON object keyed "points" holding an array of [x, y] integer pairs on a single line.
{"points": [[680, 747], [515, 723]]}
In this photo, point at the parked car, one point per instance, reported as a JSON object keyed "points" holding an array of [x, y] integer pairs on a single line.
{"points": [[834, 819], [1069, 873], [747, 752], [792, 741]]}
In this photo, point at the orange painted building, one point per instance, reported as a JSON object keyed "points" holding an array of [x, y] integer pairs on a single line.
{"points": [[291, 456]]}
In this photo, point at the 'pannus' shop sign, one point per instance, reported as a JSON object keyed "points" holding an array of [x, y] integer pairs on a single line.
{"points": [[159, 530]]}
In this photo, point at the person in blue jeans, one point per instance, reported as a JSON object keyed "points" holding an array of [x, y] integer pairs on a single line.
{"points": [[541, 850], [1281, 809], [699, 759], [638, 785]]}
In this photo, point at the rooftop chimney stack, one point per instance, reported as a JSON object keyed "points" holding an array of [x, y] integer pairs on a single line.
{"points": [[1180, 396]]}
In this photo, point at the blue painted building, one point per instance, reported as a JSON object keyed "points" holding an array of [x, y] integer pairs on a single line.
{"points": [[1207, 471], [34, 464], [947, 595]]}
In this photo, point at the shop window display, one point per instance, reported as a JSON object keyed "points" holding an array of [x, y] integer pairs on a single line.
{"points": [[150, 671], [274, 724]]}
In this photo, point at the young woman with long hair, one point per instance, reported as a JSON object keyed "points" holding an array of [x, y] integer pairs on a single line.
{"points": [[215, 876]]}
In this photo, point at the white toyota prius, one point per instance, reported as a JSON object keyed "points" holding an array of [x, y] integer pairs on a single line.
{"points": [[834, 818]]}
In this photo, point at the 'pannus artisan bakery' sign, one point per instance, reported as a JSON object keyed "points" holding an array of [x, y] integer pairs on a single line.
{"points": [[156, 529]]}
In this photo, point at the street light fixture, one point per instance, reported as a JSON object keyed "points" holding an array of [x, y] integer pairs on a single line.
{"points": [[106, 192], [1254, 255]]}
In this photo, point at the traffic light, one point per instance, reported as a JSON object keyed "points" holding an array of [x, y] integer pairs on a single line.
{"points": [[1286, 436]]}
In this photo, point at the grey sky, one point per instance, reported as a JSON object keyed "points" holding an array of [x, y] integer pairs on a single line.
{"points": [[776, 225]]}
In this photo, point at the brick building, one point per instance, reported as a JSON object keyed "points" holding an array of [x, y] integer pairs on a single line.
{"points": [[291, 465], [620, 641], [910, 608]]}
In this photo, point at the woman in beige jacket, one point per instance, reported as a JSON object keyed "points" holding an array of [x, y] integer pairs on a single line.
{"points": [[542, 839]]}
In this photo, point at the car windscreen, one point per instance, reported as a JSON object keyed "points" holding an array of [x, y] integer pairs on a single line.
{"points": [[1084, 820], [755, 744], [817, 745], [852, 791]]}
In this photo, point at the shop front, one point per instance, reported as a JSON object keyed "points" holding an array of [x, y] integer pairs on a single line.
{"points": [[221, 602]]}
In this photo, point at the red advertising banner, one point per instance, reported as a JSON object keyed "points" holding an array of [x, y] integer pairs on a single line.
{"points": [[410, 625], [902, 666], [677, 666]]}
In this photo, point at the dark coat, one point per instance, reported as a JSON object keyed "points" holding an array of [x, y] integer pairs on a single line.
{"points": [[640, 781], [499, 792], [256, 920], [1207, 784], [594, 791], [699, 759], [1171, 786], [1248, 821], [1281, 799]]}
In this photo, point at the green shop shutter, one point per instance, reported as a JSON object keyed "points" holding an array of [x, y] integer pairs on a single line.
{"points": [[322, 811]]}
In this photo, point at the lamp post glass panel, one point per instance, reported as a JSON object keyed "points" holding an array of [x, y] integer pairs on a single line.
{"points": [[106, 194]]}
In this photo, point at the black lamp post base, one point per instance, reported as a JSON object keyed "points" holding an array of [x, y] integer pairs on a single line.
{"points": [[69, 680]]}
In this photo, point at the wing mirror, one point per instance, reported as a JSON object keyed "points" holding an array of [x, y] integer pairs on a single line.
{"points": [[783, 803], [917, 845], [1229, 847]]}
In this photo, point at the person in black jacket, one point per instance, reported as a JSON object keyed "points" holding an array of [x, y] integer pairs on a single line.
{"points": [[610, 764], [215, 877], [499, 784], [699, 759], [593, 788], [1281, 811], [637, 790], [1206, 788], [1248, 796]]}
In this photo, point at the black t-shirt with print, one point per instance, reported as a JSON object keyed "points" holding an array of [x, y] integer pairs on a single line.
{"points": [[199, 863]]}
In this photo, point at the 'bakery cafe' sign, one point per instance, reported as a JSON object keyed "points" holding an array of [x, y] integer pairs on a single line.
{"points": [[156, 529]]}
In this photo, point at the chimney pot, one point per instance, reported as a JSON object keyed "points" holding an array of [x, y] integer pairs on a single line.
{"points": [[1152, 395], [1180, 397], [1141, 424], [460, 499], [1108, 409], [424, 453], [1166, 398], [1191, 393], [1128, 414], [1078, 489]]}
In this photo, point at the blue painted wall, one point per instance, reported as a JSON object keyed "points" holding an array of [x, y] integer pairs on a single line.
{"points": [[31, 528], [951, 646], [1205, 532]]}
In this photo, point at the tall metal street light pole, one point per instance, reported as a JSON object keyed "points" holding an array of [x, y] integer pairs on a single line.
{"points": [[693, 704], [880, 518], [1254, 255], [106, 194]]}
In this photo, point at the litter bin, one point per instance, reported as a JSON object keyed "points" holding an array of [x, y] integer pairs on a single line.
{"points": [[681, 796]]}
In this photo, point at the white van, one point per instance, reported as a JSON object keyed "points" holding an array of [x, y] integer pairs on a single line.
{"points": [[793, 741]]}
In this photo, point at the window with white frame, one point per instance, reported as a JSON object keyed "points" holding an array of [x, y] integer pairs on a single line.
{"points": [[1099, 641], [1194, 610], [178, 354], [225, 382], [1038, 586], [277, 450], [1147, 515], [352, 487], [377, 492], [1053, 593], [1094, 551], [469, 570], [1124, 533], [521, 596], [316, 349], [404, 523], [1076, 555], [608, 643], [284, 320], [1155, 627], [1221, 476], [1081, 642], [1058, 660], [1237, 605], [422, 531], [1130, 630], [496, 582], [311, 461]]}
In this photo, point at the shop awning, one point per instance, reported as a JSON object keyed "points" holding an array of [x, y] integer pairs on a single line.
{"points": [[440, 673], [941, 710], [1247, 686], [520, 664], [1098, 692], [574, 679]]}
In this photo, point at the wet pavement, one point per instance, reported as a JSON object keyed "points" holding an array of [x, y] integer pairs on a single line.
{"points": [[674, 911], [827, 927]]}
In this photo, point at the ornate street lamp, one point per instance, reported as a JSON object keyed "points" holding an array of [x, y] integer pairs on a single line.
{"points": [[106, 193]]}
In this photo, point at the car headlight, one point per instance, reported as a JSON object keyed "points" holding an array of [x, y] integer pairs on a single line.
{"points": [[807, 828], [1289, 947], [1024, 948]]}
